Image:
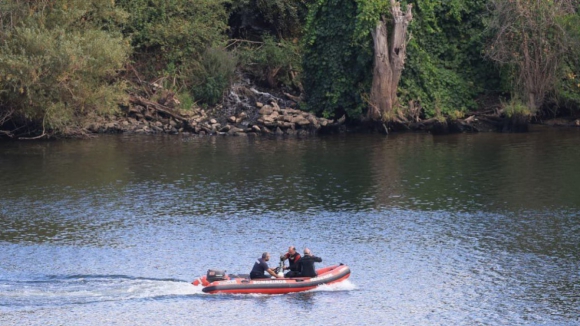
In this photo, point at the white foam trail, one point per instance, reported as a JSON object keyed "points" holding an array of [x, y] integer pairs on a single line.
{"points": [[345, 285], [176, 288], [84, 290]]}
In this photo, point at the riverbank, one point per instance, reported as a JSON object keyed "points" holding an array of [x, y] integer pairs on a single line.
{"points": [[248, 112]]}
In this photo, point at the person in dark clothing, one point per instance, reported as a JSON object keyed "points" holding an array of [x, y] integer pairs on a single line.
{"points": [[307, 264], [293, 260], [261, 266]]}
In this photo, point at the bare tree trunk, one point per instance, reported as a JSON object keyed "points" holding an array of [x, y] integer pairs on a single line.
{"points": [[389, 62]]}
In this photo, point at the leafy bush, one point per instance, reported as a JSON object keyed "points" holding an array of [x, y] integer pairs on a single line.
{"points": [[55, 71], [281, 18], [170, 36], [272, 62], [213, 76], [516, 108]]}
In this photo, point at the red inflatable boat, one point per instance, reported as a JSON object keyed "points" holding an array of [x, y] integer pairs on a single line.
{"points": [[219, 282]]}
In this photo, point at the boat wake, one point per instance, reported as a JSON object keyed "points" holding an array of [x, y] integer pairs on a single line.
{"points": [[83, 289], [345, 285]]}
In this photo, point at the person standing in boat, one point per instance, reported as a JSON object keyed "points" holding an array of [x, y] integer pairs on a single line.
{"points": [[261, 266], [306, 264], [293, 260]]}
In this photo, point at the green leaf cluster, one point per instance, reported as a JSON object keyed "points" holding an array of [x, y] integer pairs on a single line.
{"points": [[59, 61], [213, 75], [445, 69], [169, 37], [272, 63], [283, 19], [336, 68]]}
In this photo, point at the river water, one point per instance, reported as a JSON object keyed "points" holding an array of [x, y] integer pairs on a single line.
{"points": [[471, 229]]}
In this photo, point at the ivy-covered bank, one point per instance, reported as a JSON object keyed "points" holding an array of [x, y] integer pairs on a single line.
{"points": [[72, 67]]}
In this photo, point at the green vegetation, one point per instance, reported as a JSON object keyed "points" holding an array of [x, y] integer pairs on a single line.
{"points": [[63, 61], [59, 61], [337, 67], [445, 71]]}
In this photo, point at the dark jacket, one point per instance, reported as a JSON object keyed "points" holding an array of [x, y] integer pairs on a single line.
{"points": [[293, 261], [307, 265], [260, 266]]}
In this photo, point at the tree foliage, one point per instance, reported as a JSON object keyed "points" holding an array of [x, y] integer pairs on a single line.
{"points": [[169, 37], [337, 61], [445, 71], [59, 61], [530, 41], [283, 19], [269, 47], [271, 63]]}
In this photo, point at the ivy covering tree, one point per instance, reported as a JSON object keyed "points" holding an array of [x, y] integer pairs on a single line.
{"points": [[445, 71], [336, 64]]}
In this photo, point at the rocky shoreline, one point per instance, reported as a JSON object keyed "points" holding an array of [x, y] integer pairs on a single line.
{"points": [[266, 119], [247, 112]]}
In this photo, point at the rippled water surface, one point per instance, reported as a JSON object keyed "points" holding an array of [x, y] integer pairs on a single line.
{"points": [[451, 230]]}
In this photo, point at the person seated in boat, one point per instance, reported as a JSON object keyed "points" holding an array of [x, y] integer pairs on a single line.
{"points": [[261, 266], [306, 264], [293, 258]]}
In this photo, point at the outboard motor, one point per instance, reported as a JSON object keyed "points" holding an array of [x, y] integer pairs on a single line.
{"points": [[280, 269], [215, 275]]}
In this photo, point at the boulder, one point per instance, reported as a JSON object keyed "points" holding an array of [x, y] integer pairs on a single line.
{"points": [[266, 110], [300, 120], [234, 130]]}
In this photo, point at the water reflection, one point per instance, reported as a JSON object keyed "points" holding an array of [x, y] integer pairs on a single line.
{"points": [[463, 229]]}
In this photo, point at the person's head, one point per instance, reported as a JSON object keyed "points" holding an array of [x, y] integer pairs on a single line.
{"points": [[307, 251], [266, 256], [291, 250]]}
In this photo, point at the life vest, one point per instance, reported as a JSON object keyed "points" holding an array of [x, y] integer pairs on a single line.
{"points": [[293, 261]]}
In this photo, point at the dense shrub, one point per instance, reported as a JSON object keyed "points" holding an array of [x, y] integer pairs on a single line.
{"points": [[273, 63], [170, 36], [57, 64], [283, 19], [213, 75]]}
